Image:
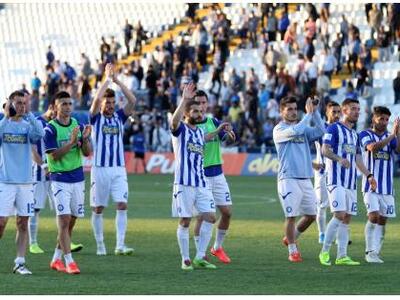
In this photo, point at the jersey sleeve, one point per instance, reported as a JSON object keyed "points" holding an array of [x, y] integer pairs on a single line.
{"points": [[179, 130], [50, 139], [121, 115], [93, 119], [331, 136], [365, 139]]}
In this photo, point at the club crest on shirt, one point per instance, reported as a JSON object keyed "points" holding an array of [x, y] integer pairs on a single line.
{"points": [[13, 138], [110, 129], [349, 148]]}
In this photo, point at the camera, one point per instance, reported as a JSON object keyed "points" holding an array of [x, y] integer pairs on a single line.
{"points": [[12, 112]]}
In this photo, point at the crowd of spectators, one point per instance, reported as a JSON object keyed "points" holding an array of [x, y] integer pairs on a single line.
{"points": [[249, 101]]}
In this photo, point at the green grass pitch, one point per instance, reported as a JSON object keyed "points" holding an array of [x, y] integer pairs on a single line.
{"points": [[259, 261]]}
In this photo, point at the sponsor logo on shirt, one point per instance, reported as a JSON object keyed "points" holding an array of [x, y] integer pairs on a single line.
{"points": [[109, 129], [298, 139], [195, 148], [349, 149], [13, 138], [382, 155]]}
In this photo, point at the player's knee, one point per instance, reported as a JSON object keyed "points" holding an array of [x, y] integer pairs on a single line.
{"points": [[2, 226], [122, 206], [226, 213], [373, 217], [22, 224], [98, 209], [210, 218], [184, 222]]}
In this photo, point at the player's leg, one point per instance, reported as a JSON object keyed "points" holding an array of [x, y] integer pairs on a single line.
{"points": [[322, 204], [119, 194], [40, 194], [205, 205], [387, 210], [290, 196], [3, 224], [337, 201], [6, 206], [24, 204], [182, 208], [372, 205], [222, 198], [196, 231], [99, 194], [307, 208]]}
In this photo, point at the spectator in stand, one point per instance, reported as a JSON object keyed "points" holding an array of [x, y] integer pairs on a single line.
{"points": [[272, 57], [272, 26], [69, 72], [327, 62], [310, 29], [337, 51], [268, 128], [140, 37], [344, 30], [309, 49], [375, 19], [138, 72], [350, 92], [128, 30], [324, 28], [354, 50], [396, 88], [383, 43], [282, 90], [50, 56], [98, 72], [323, 84], [35, 82], [84, 93], [312, 72], [85, 66], [253, 24], [290, 38], [114, 48], [138, 142], [202, 45], [235, 111], [104, 50], [283, 23], [263, 97], [161, 141], [151, 85]]}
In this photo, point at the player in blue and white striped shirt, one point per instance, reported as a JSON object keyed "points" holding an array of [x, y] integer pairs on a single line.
{"points": [[190, 187], [332, 115], [379, 147], [341, 149], [108, 174], [42, 187]]}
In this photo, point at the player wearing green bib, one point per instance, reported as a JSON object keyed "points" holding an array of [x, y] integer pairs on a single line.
{"points": [[65, 141], [216, 181]]}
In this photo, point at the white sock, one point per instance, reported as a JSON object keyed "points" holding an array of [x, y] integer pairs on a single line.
{"points": [[343, 240], [369, 233], [57, 254], [379, 237], [97, 225], [296, 234], [68, 258], [19, 260], [33, 228], [121, 221], [183, 241], [196, 239], [321, 220], [219, 238], [205, 237], [330, 233], [292, 248]]}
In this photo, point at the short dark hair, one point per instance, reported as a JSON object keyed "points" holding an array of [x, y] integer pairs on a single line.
{"points": [[332, 104], [201, 93], [61, 95], [381, 110], [287, 100], [348, 101], [109, 93], [190, 103], [16, 94]]}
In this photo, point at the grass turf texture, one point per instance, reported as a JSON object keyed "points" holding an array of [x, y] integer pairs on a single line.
{"points": [[259, 261]]}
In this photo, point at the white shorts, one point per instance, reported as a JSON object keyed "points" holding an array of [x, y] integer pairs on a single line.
{"points": [[320, 191], [69, 198], [297, 197], [186, 200], [220, 190], [382, 203], [342, 199], [106, 182], [41, 192], [16, 198]]}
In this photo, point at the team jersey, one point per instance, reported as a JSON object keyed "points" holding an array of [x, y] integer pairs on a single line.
{"points": [[16, 139], [320, 159], [380, 163], [38, 173], [212, 149], [188, 146], [293, 148], [69, 167], [108, 146], [344, 143]]}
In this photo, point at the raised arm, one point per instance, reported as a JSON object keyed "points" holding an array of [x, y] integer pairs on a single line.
{"points": [[211, 135], [129, 107], [375, 147], [188, 94], [95, 107]]}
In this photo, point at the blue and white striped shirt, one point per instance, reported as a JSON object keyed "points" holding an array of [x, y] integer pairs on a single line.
{"points": [[38, 173], [188, 146], [380, 163], [345, 143], [107, 133]]}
